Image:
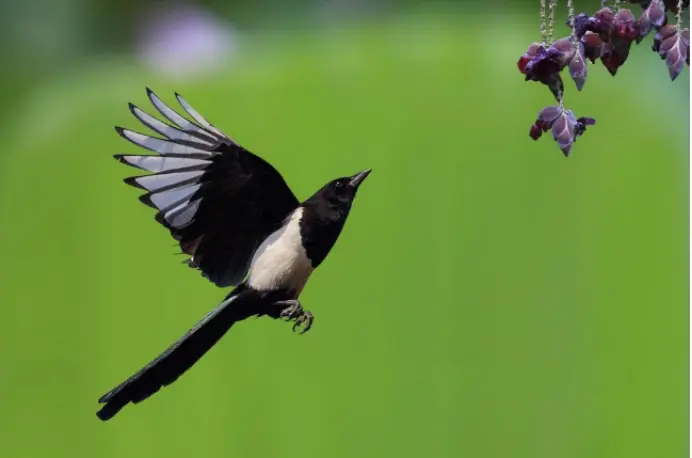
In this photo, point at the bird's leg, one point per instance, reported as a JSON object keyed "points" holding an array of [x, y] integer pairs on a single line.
{"points": [[292, 310]]}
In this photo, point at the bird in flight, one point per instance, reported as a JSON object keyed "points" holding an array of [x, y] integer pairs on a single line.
{"points": [[240, 224]]}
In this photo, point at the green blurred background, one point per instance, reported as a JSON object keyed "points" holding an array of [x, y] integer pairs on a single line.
{"points": [[489, 298]]}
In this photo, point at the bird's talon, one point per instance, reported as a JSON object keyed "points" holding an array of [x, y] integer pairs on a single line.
{"points": [[306, 321], [293, 311]]}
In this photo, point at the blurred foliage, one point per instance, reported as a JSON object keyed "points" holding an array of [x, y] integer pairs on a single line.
{"points": [[42, 39], [488, 298]]}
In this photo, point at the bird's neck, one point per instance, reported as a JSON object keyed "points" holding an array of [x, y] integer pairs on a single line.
{"points": [[320, 228]]}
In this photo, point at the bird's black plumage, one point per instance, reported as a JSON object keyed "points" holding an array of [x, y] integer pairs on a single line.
{"points": [[219, 208], [241, 225]]}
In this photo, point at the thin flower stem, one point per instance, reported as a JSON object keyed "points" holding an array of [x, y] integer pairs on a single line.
{"points": [[562, 103], [551, 20], [570, 16], [544, 33], [678, 16]]}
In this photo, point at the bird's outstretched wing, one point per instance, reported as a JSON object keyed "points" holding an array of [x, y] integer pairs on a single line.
{"points": [[218, 200]]}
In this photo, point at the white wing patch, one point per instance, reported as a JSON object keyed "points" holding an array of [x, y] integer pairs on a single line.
{"points": [[161, 146], [156, 182], [162, 164], [281, 261], [166, 199], [183, 214], [185, 150], [198, 117], [174, 117], [170, 132]]}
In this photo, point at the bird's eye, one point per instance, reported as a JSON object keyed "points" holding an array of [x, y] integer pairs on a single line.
{"points": [[340, 188]]}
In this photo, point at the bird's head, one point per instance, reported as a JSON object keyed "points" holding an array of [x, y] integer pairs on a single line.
{"points": [[343, 190], [338, 194]]}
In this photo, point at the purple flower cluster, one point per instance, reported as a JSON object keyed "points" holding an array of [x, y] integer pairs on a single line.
{"points": [[607, 35], [564, 125]]}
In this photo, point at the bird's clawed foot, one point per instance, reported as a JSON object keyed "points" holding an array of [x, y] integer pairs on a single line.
{"points": [[304, 320], [293, 311]]}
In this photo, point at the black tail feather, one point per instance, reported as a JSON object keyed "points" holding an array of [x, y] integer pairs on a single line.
{"points": [[180, 356]]}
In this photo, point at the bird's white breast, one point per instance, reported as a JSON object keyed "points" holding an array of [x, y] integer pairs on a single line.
{"points": [[280, 261]]}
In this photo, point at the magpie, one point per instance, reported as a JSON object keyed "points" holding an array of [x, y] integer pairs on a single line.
{"points": [[240, 224]]}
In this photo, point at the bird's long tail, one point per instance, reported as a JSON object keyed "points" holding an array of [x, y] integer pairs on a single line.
{"points": [[180, 356]]}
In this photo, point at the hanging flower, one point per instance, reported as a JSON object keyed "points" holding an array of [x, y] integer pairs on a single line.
{"points": [[623, 31], [673, 45], [577, 66], [562, 123], [543, 64], [607, 35], [653, 17]]}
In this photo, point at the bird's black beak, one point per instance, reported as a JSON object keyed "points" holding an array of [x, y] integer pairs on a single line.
{"points": [[358, 178]]}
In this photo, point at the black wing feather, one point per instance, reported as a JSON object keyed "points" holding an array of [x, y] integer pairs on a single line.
{"points": [[217, 199]]}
